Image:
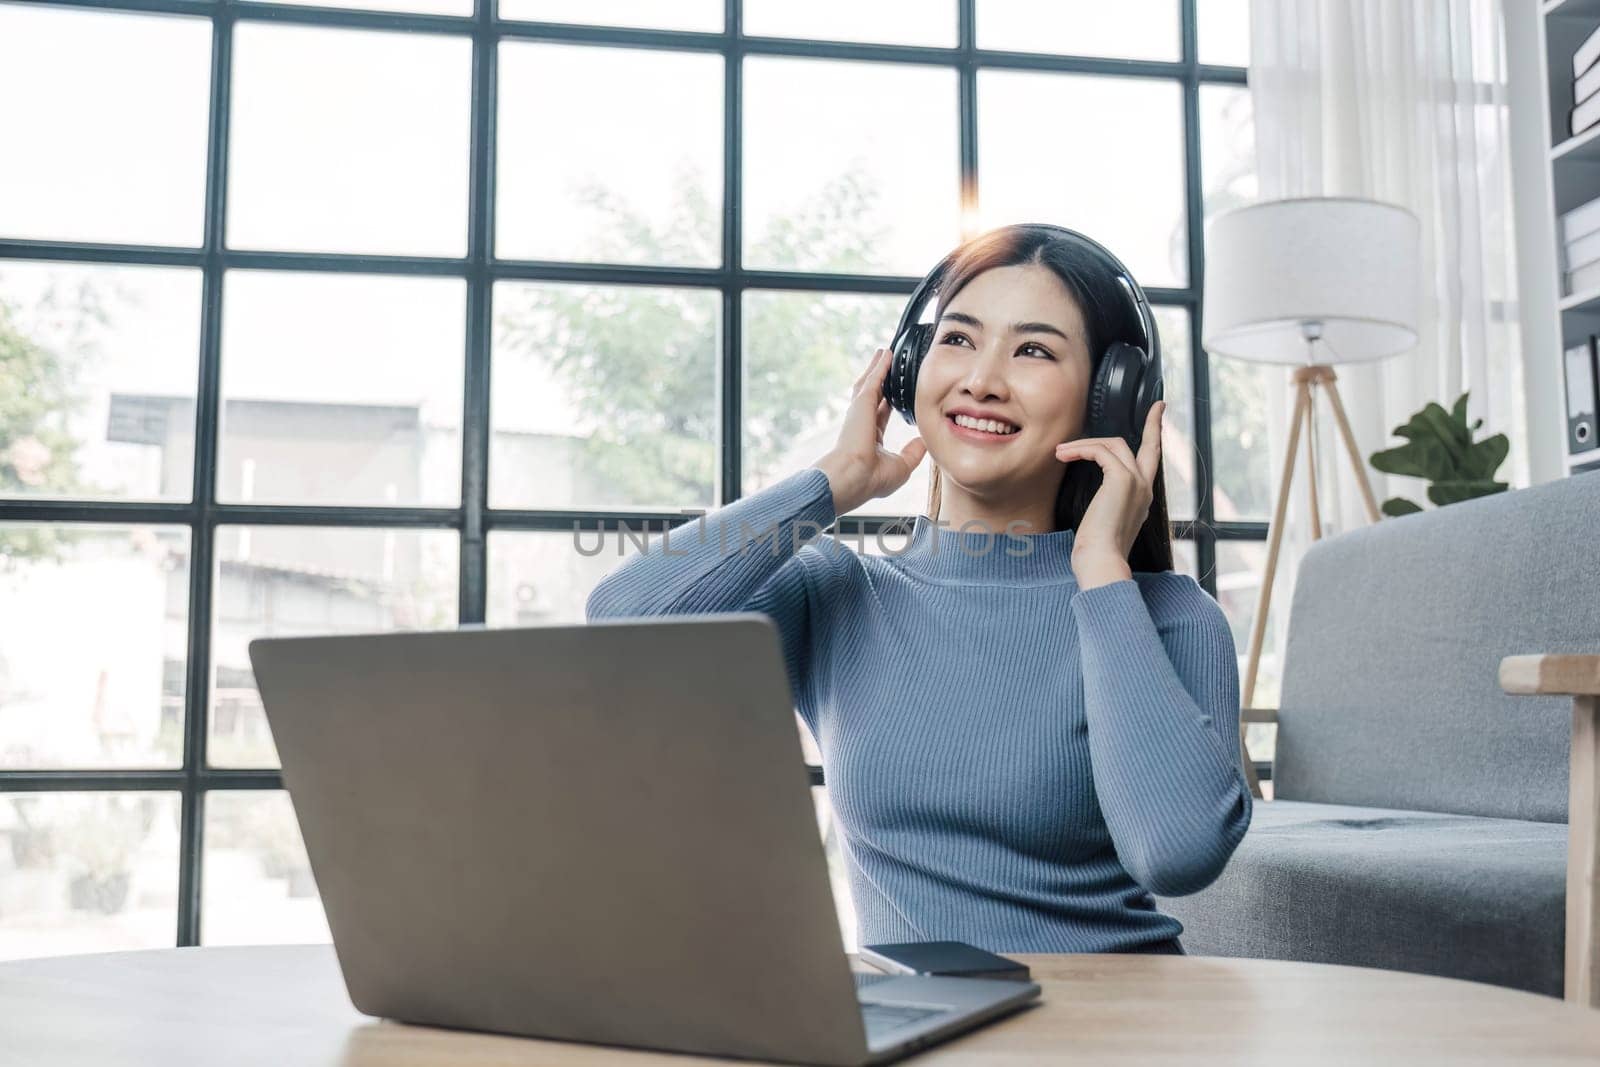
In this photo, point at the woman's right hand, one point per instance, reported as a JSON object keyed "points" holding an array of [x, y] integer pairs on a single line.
{"points": [[859, 468]]}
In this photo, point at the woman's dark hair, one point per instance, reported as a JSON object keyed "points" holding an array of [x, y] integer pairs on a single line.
{"points": [[1108, 315]]}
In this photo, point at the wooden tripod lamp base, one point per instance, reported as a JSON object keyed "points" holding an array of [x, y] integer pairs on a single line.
{"points": [[1306, 380], [1343, 274]]}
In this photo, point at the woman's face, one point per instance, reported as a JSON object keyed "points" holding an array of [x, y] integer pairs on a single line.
{"points": [[1011, 346]]}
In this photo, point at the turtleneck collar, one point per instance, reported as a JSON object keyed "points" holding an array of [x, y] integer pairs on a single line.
{"points": [[991, 557]]}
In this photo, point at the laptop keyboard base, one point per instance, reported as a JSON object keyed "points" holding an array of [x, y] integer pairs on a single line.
{"points": [[883, 1019]]}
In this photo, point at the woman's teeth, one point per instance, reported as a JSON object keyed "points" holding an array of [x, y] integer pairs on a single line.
{"points": [[986, 425]]}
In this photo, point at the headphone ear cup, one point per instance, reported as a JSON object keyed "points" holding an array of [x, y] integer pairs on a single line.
{"points": [[1120, 387], [1097, 419], [900, 383]]}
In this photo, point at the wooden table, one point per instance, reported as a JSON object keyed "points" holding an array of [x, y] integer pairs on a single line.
{"points": [[287, 1007]]}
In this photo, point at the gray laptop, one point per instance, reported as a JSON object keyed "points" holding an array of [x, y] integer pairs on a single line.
{"points": [[600, 833]]}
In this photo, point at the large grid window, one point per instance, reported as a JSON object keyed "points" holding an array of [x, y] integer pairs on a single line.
{"points": [[322, 320]]}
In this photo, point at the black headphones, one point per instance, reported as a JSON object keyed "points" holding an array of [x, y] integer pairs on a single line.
{"points": [[1127, 381]]}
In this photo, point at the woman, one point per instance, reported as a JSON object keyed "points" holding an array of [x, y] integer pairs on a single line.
{"points": [[1028, 721]]}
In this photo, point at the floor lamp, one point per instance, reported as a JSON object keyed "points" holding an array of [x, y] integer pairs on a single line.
{"points": [[1309, 282]]}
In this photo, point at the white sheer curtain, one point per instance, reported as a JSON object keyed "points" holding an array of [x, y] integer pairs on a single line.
{"points": [[1404, 102]]}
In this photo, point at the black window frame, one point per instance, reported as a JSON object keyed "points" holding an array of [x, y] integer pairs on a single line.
{"points": [[473, 519]]}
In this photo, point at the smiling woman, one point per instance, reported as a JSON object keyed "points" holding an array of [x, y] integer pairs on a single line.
{"points": [[1020, 745]]}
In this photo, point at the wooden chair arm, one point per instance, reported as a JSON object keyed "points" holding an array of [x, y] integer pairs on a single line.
{"points": [[1576, 676], [1267, 715], [1551, 675]]}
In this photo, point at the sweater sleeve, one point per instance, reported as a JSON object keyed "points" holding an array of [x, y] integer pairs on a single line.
{"points": [[739, 557], [1163, 718]]}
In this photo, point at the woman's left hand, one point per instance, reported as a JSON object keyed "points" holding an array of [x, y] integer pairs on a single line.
{"points": [[1120, 506]]}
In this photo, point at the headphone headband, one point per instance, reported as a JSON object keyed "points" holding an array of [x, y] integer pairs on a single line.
{"points": [[935, 277]]}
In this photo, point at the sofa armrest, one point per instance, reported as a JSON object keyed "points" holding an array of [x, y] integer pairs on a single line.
{"points": [[1247, 716], [1577, 676], [1557, 675]]}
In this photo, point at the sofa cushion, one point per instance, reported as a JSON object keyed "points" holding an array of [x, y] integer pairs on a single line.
{"points": [[1396, 632], [1454, 895]]}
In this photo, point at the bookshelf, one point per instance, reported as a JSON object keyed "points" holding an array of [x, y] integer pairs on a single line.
{"points": [[1574, 177]]}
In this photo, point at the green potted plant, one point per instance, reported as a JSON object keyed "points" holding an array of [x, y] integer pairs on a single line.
{"points": [[1439, 448]]}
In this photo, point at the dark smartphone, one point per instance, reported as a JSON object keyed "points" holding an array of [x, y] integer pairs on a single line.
{"points": [[953, 958]]}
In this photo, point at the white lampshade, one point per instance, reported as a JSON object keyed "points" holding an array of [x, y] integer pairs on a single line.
{"points": [[1353, 265]]}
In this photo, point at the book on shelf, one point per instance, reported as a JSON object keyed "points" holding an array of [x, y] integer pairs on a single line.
{"points": [[1587, 53], [1581, 220], [1583, 402], [1581, 116], [1584, 279], [1584, 85], [1582, 252]]}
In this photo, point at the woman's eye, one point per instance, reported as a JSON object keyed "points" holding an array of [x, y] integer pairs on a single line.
{"points": [[1044, 352]]}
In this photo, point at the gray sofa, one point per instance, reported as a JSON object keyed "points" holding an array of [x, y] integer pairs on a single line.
{"points": [[1419, 819]]}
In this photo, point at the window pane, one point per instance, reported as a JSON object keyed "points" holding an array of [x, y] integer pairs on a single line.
{"points": [[87, 872], [257, 882], [704, 16], [1239, 390], [604, 396], [93, 645], [849, 166], [1184, 559], [99, 367], [1179, 459], [1227, 148], [427, 7], [539, 578], [843, 903], [111, 143], [1240, 565], [341, 389], [802, 354], [1224, 32], [1129, 29], [1135, 206], [278, 581], [567, 194], [349, 141], [910, 22]]}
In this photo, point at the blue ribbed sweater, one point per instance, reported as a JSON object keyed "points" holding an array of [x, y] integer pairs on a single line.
{"points": [[1013, 762]]}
